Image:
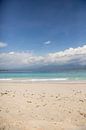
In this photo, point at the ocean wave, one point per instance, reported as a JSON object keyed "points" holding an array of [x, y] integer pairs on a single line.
{"points": [[7, 79], [53, 79], [34, 80]]}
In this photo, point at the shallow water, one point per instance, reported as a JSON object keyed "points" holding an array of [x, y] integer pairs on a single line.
{"points": [[65, 75]]}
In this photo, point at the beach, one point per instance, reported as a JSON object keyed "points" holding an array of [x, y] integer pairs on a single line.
{"points": [[42, 105]]}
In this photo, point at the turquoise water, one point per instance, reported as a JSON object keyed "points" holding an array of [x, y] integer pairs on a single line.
{"points": [[66, 75]]}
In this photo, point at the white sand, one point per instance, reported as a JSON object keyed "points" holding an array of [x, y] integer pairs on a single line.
{"points": [[42, 106]]}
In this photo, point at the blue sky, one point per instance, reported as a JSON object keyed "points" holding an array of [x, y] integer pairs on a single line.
{"points": [[42, 26], [27, 24]]}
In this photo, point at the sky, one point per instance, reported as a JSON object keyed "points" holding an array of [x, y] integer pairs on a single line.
{"points": [[42, 32]]}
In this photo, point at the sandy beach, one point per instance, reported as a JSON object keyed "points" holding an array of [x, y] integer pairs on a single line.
{"points": [[42, 106]]}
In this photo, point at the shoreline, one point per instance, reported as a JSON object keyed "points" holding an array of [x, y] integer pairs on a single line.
{"points": [[49, 81]]}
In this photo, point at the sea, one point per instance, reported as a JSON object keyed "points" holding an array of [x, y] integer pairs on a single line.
{"points": [[72, 75]]}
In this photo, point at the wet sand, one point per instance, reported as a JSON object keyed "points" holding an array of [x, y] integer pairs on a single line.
{"points": [[42, 106]]}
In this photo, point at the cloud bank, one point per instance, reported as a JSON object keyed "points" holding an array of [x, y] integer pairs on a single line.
{"points": [[2, 45], [27, 59]]}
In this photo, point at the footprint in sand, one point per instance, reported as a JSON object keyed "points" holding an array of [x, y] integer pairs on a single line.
{"points": [[29, 101], [37, 106], [44, 105], [3, 93]]}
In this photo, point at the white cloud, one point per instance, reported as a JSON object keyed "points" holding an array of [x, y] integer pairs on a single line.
{"points": [[68, 55], [2, 45], [27, 59], [47, 42], [11, 53], [19, 59]]}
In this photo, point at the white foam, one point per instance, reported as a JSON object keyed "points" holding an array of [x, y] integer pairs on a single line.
{"points": [[6, 79], [34, 80], [53, 79]]}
